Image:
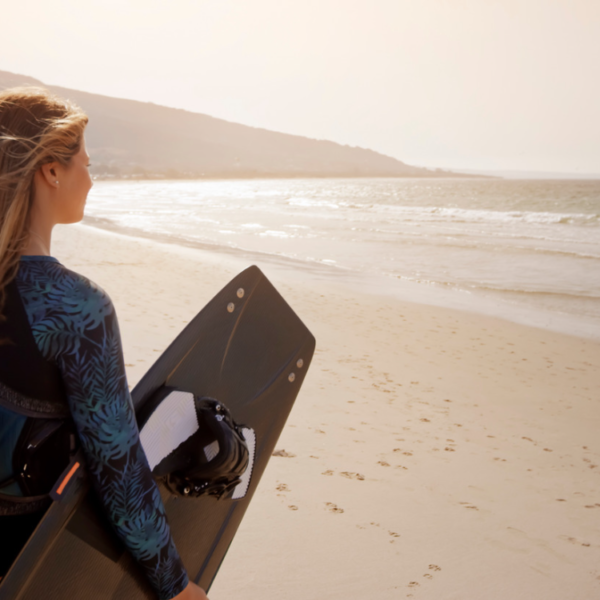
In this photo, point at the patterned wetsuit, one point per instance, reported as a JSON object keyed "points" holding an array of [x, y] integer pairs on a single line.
{"points": [[74, 325]]}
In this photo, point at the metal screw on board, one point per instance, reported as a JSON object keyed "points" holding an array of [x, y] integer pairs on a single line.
{"points": [[291, 377], [300, 363], [240, 293], [230, 307]]}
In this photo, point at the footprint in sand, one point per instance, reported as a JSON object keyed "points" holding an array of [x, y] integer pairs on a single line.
{"points": [[350, 475], [283, 453], [413, 584], [293, 507], [434, 568], [329, 472], [334, 508], [282, 487], [383, 463]]}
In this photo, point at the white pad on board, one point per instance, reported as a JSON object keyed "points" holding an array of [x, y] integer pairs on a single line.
{"points": [[171, 424]]}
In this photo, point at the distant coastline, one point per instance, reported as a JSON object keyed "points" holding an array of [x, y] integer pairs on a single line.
{"points": [[537, 175], [128, 139]]}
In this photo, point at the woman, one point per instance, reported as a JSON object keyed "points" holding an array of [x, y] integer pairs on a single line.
{"points": [[60, 342]]}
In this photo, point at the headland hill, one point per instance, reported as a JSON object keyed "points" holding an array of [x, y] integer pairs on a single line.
{"points": [[128, 139]]}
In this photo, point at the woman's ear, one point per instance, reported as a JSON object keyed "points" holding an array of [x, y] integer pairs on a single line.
{"points": [[49, 173]]}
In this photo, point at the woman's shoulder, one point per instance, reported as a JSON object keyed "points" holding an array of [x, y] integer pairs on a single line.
{"points": [[44, 283]]}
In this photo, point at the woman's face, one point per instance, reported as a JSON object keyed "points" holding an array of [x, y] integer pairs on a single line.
{"points": [[74, 184]]}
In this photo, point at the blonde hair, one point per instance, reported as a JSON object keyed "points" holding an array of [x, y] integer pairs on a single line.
{"points": [[36, 128]]}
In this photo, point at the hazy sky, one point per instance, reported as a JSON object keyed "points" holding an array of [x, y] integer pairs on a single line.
{"points": [[489, 84]]}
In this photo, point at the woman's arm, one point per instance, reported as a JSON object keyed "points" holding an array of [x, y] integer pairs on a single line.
{"points": [[76, 326]]}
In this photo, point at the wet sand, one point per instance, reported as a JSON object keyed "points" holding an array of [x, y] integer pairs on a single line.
{"points": [[431, 454]]}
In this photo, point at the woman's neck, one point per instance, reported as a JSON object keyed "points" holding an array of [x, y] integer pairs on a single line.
{"points": [[39, 240]]}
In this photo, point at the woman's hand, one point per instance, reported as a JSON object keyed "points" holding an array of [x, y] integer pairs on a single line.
{"points": [[191, 592]]}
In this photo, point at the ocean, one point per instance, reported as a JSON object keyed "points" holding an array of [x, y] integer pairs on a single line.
{"points": [[525, 250]]}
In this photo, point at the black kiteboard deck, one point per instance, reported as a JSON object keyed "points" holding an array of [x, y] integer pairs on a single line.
{"points": [[246, 348]]}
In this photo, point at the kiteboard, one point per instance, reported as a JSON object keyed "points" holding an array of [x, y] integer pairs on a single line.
{"points": [[242, 359]]}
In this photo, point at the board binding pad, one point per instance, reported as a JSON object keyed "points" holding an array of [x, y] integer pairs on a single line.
{"points": [[195, 447], [246, 348]]}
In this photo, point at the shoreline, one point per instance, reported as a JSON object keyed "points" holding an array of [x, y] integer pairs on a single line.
{"points": [[431, 454], [454, 298], [268, 176]]}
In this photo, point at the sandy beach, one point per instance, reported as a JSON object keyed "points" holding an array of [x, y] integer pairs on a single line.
{"points": [[431, 454]]}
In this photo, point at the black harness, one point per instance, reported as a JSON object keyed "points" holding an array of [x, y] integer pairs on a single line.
{"points": [[32, 386]]}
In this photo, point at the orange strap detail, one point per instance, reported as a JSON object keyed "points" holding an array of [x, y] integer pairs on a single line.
{"points": [[67, 478]]}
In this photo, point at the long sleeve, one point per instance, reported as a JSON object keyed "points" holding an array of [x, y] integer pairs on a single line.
{"points": [[74, 324]]}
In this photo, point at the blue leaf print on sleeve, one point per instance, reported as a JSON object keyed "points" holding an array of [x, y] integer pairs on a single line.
{"points": [[74, 324]]}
